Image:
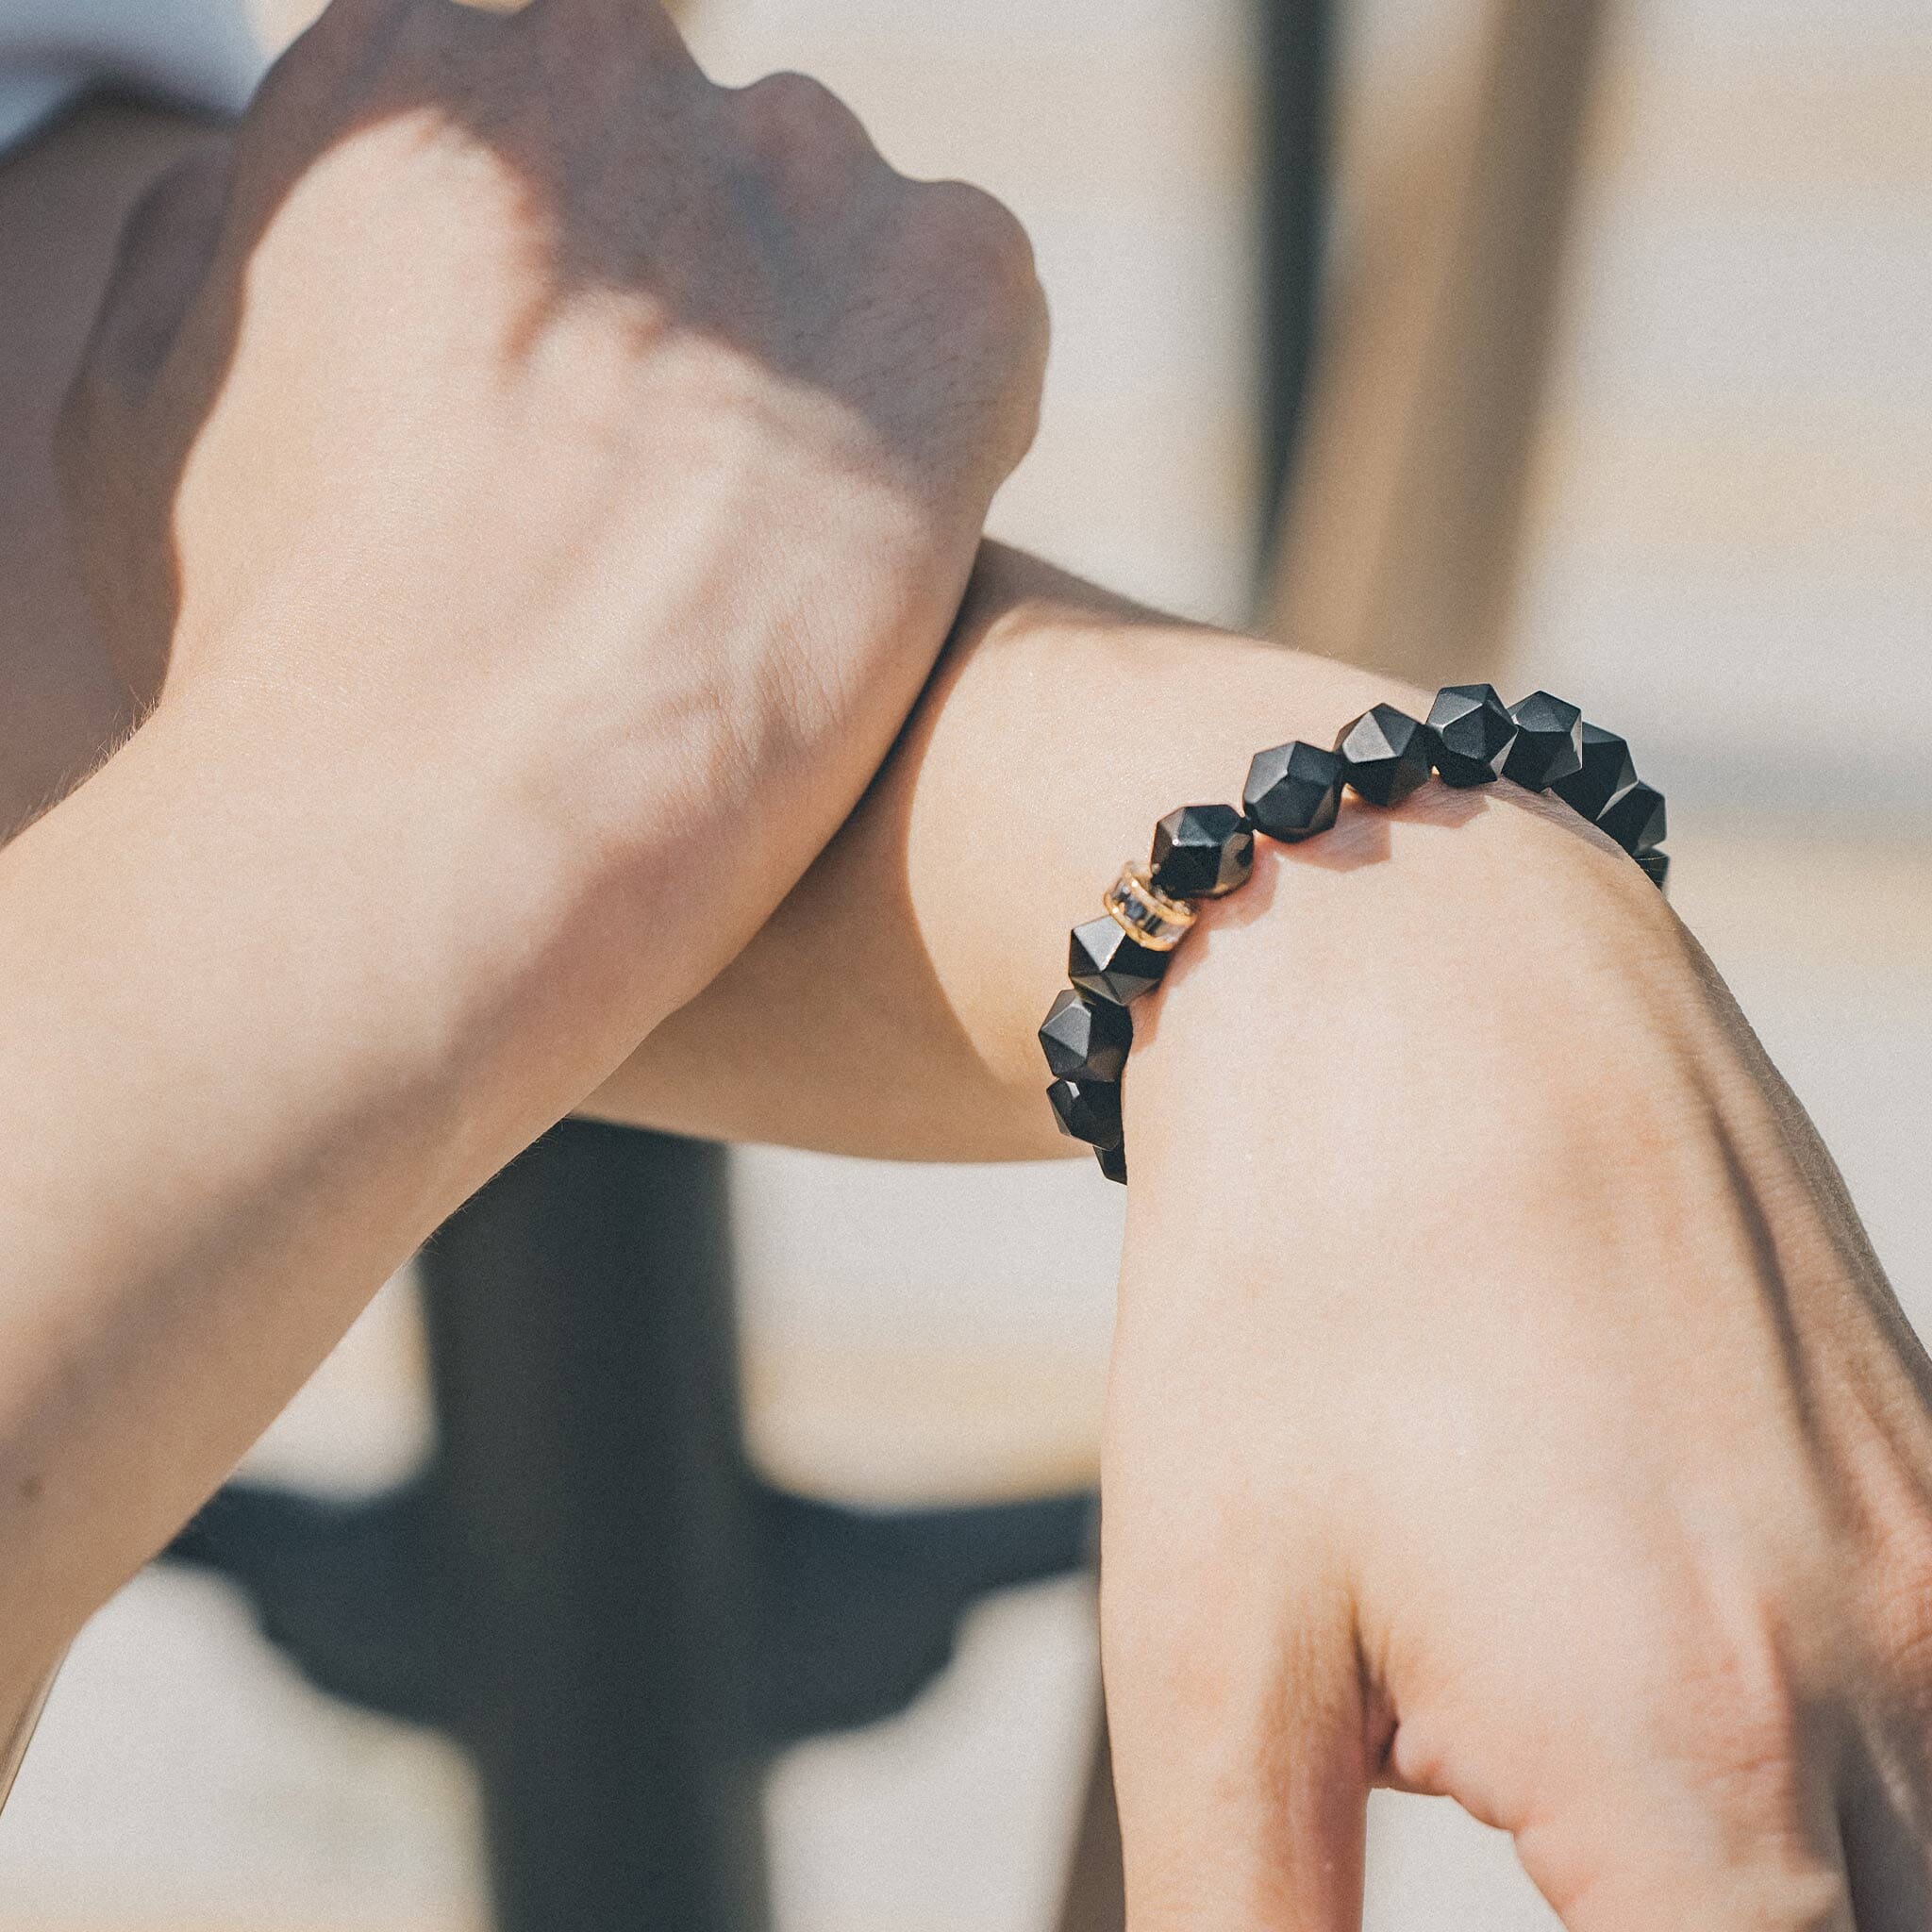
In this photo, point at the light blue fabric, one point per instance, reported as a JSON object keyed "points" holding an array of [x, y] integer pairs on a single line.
{"points": [[200, 51]]}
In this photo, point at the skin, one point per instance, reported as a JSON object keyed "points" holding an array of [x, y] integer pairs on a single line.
{"points": [[1505, 1401], [400, 863]]}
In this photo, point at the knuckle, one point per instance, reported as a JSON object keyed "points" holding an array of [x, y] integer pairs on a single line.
{"points": [[976, 248], [804, 145], [792, 114], [785, 92], [980, 232], [972, 212]]}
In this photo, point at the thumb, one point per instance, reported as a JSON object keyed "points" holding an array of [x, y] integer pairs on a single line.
{"points": [[119, 460], [1240, 1745], [168, 243]]}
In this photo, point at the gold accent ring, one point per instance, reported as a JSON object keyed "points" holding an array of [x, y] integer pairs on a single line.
{"points": [[1146, 913]]}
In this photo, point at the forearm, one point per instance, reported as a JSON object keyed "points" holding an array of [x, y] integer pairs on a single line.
{"points": [[890, 1006], [510, 591], [269, 1009], [238, 1081]]}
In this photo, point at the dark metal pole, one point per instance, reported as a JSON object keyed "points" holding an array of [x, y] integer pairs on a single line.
{"points": [[598, 1533], [584, 1586], [1295, 43]]}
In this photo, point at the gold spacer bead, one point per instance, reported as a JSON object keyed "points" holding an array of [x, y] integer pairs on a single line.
{"points": [[1146, 913]]}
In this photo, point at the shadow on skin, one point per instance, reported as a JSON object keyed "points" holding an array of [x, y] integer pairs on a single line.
{"points": [[588, 126], [1358, 839]]}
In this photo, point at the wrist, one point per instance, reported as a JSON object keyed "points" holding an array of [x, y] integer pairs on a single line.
{"points": [[1440, 910], [1421, 1007], [1113, 716], [564, 830], [432, 876], [633, 730]]}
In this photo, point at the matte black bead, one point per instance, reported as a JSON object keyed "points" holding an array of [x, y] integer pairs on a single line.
{"points": [[1385, 754], [1202, 851], [1088, 1110], [1635, 818], [1085, 1038], [1113, 1162], [1469, 731], [1294, 791], [1607, 769], [1657, 868], [1549, 741], [1103, 961]]}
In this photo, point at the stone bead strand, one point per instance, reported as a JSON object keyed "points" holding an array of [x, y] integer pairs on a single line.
{"points": [[1294, 792]]}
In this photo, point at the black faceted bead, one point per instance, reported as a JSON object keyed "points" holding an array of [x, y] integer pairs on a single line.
{"points": [[1385, 754], [1085, 1038], [1294, 791], [1088, 1110], [1635, 818], [1469, 734], [1202, 851], [1607, 769], [1549, 741], [1657, 868], [1103, 961], [1113, 1162]]}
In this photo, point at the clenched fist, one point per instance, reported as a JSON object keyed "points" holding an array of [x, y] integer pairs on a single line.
{"points": [[510, 392]]}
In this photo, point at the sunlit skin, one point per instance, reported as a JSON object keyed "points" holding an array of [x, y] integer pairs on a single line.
{"points": [[1505, 1401], [405, 858]]}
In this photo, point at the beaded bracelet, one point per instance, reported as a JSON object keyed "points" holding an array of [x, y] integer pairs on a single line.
{"points": [[1293, 793]]}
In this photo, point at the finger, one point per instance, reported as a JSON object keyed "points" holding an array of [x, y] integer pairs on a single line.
{"points": [[1239, 1737], [815, 149]]}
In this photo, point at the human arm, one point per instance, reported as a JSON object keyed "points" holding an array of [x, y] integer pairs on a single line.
{"points": [[1504, 1400], [928, 939], [62, 200], [439, 809]]}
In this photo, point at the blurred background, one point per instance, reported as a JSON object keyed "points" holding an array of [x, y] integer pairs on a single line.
{"points": [[1622, 385]]}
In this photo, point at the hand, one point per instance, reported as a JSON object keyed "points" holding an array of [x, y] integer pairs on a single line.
{"points": [[559, 473], [511, 389], [1505, 1404], [1504, 1400]]}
